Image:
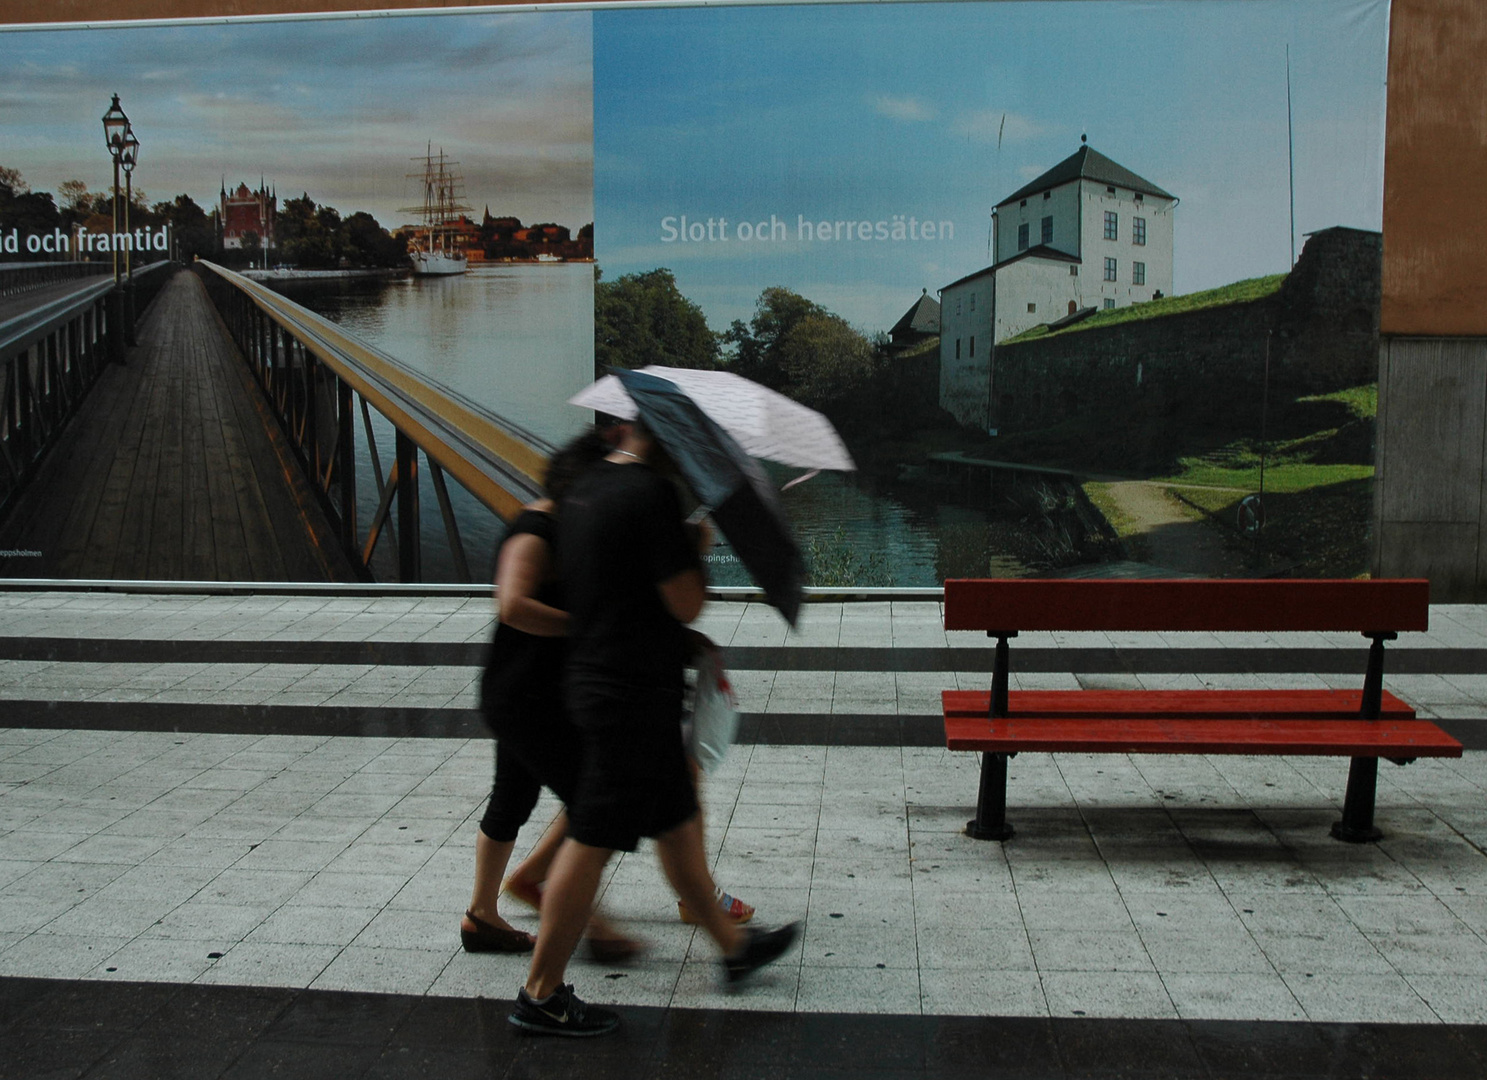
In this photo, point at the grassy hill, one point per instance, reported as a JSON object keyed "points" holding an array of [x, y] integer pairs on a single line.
{"points": [[1240, 292]]}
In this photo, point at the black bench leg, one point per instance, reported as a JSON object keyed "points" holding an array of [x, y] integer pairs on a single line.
{"points": [[990, 822], [1356, 826]]}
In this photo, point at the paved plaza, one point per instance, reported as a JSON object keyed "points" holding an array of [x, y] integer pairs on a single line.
{"points": [[201, 794]]}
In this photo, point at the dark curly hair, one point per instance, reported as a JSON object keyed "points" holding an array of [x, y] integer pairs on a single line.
{"points": [[572, 460]]}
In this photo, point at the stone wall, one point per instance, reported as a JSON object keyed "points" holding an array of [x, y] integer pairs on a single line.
{"points": [[1321, 328]]}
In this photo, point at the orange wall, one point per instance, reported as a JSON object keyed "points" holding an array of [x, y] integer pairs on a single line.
{"points": [[1435, 156], [1435, 218]]}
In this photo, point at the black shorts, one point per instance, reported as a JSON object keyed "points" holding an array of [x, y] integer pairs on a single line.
{"points": [[536, 745], [635, 781]]}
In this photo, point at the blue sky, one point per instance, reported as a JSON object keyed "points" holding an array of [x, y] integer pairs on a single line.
{"points": [[332, 107], [867, 111]]}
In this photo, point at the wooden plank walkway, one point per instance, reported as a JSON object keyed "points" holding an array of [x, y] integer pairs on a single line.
{"points": [[174, 470]]}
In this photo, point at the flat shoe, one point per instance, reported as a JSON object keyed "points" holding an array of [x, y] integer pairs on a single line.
{"points": [[614, 950], [487, 937]]}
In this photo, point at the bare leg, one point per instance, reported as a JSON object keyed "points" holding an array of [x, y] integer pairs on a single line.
{"points": [[685, 864], [533, 870], [566, 906], [491, 857], [526, 880]]}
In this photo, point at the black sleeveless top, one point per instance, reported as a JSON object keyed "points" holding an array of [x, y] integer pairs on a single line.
{"points": [[524, 666]]}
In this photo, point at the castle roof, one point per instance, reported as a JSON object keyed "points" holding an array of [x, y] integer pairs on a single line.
{"points": [[922, 318], [1087, 164]]}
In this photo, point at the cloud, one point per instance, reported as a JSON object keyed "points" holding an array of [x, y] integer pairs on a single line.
{"points": [[983, 125], [904, 108]]}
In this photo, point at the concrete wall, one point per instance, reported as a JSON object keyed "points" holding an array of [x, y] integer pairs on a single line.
{"points": [[1321, 329], [1429, 498]]}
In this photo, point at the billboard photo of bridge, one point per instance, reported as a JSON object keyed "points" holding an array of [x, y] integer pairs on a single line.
{"points": [[296, 166]]}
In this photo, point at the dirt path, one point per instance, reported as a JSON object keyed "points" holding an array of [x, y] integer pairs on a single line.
{"points": [[1164, 532]]}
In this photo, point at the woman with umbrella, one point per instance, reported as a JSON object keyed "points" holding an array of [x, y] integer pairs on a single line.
{"points": [[634, 580]]}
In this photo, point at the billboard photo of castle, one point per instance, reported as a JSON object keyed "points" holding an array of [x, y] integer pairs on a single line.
{"points": [[1090, 287]]}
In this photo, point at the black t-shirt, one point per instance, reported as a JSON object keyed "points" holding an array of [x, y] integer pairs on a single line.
{"points": [[622, 535], [524, 665]]}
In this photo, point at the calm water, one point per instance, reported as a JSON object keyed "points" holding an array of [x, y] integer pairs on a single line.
{"points": [[517, 339]]}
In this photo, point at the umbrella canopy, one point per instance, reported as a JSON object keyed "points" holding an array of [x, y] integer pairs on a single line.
{"points": [[728, 481], [765, 423]]}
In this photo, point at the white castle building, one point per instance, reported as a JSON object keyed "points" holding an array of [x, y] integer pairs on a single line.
{"points": [[1088, 234]]}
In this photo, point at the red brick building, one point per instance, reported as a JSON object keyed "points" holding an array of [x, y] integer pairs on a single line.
{"points": [[244, 211]]}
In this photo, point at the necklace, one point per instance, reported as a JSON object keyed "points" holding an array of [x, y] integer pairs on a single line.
{"points": [[627, 454]]}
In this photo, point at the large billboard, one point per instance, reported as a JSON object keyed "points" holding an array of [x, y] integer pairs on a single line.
{"points": [[1088, 286]]}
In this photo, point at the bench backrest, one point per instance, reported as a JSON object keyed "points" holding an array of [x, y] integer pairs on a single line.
{"points": [[1190, 604]]}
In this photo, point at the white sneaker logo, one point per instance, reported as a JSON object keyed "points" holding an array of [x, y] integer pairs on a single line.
{"points": [[554, 1016]]}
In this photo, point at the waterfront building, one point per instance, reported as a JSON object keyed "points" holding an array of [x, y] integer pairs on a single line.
{"points": [[242, 212]]}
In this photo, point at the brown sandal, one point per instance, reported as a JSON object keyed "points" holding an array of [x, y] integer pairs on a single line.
{"points": [[487, 937]]}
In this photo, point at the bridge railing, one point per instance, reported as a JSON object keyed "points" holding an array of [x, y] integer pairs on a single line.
{"points": [[320, 381], [19, 276], [51, 355]]}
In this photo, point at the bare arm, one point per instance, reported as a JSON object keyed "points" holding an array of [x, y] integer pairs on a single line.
{"points": [[520, 572], [684, 594]]}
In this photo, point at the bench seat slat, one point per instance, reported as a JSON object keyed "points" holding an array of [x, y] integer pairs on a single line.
{"points": [[1268, 605], [1353, 738], [1208, 704]]}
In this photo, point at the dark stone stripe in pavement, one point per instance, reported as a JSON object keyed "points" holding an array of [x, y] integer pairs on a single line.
{"points": [[164, 1031], [771, 729], [1332, 661]]}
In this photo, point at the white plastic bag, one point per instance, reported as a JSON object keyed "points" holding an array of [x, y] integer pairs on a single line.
{"points": [[714, 713]]}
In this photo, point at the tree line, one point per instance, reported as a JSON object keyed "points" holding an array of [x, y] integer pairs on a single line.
{"points": [[305, 234], [791, 344]]}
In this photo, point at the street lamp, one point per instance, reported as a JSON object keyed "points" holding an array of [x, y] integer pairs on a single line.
{"points": [[115, 127], [128, 156]]}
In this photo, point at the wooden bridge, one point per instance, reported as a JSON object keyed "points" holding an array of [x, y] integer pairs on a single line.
{"points": [[221, 448]]}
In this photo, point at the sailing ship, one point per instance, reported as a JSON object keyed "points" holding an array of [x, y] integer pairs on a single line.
{"points": [[434, 248]]}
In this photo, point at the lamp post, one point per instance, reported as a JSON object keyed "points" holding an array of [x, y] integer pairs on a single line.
{"points": [[128, 157], [115, 127]]}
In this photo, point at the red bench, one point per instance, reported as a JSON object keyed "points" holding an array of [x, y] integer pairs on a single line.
{"points": [[1364, 724]]}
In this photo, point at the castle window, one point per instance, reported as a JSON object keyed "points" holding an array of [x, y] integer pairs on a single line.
{"points": [[1022, 237], [1023, 203], [1047, 194], [1138, 273], [1109, 190], [957, 348], [973, 305], [1138, 230], [1139, 197], [1109, 303], [1073, 270], [1032, 308], [1073, 307], [973, 344], [1048, 230], [1110, 270], [1112, 224]]}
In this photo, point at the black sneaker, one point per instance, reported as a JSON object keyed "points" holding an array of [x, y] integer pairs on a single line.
{"points": [[561, 1013], [759, 948]]}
